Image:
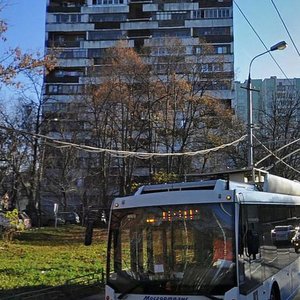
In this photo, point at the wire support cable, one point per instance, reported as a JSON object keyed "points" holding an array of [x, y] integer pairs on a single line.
{"points": [[143, 155], [281, 148], [277, 157]]}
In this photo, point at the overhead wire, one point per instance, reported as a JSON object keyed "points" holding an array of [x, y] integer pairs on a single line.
{"points": [[121, 153], [286, 156], [277, 150], [146, 155], [258, 36], [285, 26], [282, 71], [278, 158]]}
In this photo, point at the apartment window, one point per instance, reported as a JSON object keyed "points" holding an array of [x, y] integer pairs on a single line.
{"points": [[71, 89], [105, 35], [72, 73], [178, 15], [61, 107], [198, 50], [68, 4], [79, 53], [53, 89], [107, 18], [73, 54], [168, 15], [92, 53], [210, 13], [217, 67], [224, 13], [211, 31], [64, 89], [222, 49], [216, 49], [281, 94], [211, 67], [67, 38], [171, 32], [68, 18], [79, 38], [163, 16], [281, 87], [160, 51], [107, 2], [219, 13]]}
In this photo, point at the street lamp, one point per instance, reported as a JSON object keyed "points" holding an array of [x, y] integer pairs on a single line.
{"points": [[279, 46]]}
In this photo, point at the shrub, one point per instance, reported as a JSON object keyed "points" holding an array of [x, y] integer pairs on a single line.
{"points": [[15, 226]]}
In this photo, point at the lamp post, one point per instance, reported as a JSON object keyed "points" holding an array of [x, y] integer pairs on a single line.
{"points": [[279, 46]]}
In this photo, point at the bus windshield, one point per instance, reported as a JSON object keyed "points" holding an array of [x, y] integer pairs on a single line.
{"points": [[178, 249]]}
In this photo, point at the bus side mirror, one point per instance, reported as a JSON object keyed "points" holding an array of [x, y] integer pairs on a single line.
{"points": [[89, 233]]}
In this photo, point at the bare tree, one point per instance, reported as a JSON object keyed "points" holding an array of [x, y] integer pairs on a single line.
{"points": [[149, 102], [189, 114], [22, 124], [62, 176], [14, 61], [15, 155], [279, 126], [135, 103], [118, 103]]}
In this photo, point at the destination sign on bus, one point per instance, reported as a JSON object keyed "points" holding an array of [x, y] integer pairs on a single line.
{"points": [[174, 215], [188, 214]]}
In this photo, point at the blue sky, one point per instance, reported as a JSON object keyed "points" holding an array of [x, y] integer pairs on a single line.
{"points": [[26, 19], [265, 20]]}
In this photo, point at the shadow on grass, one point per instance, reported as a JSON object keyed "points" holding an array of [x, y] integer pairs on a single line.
{"points": [[72, 292], [71, 234]]}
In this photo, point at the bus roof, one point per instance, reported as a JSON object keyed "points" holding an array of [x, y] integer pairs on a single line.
{"points": [[266, 187]]}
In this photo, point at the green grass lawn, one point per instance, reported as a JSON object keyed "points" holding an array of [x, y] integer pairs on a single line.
{"points": [[48, 257]]}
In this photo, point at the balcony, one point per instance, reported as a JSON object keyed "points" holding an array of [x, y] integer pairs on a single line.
{"points": [[64, 79], [62, 44], [171, 23], [213, 3], [55, 9], [141, 1]]}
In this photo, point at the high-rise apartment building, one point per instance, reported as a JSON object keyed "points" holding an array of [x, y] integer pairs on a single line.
{"points": [[271, 96], [80, 32], [276, 122]]}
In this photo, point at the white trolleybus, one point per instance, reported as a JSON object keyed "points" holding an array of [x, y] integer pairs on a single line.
{"points": [[212, 239]]}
